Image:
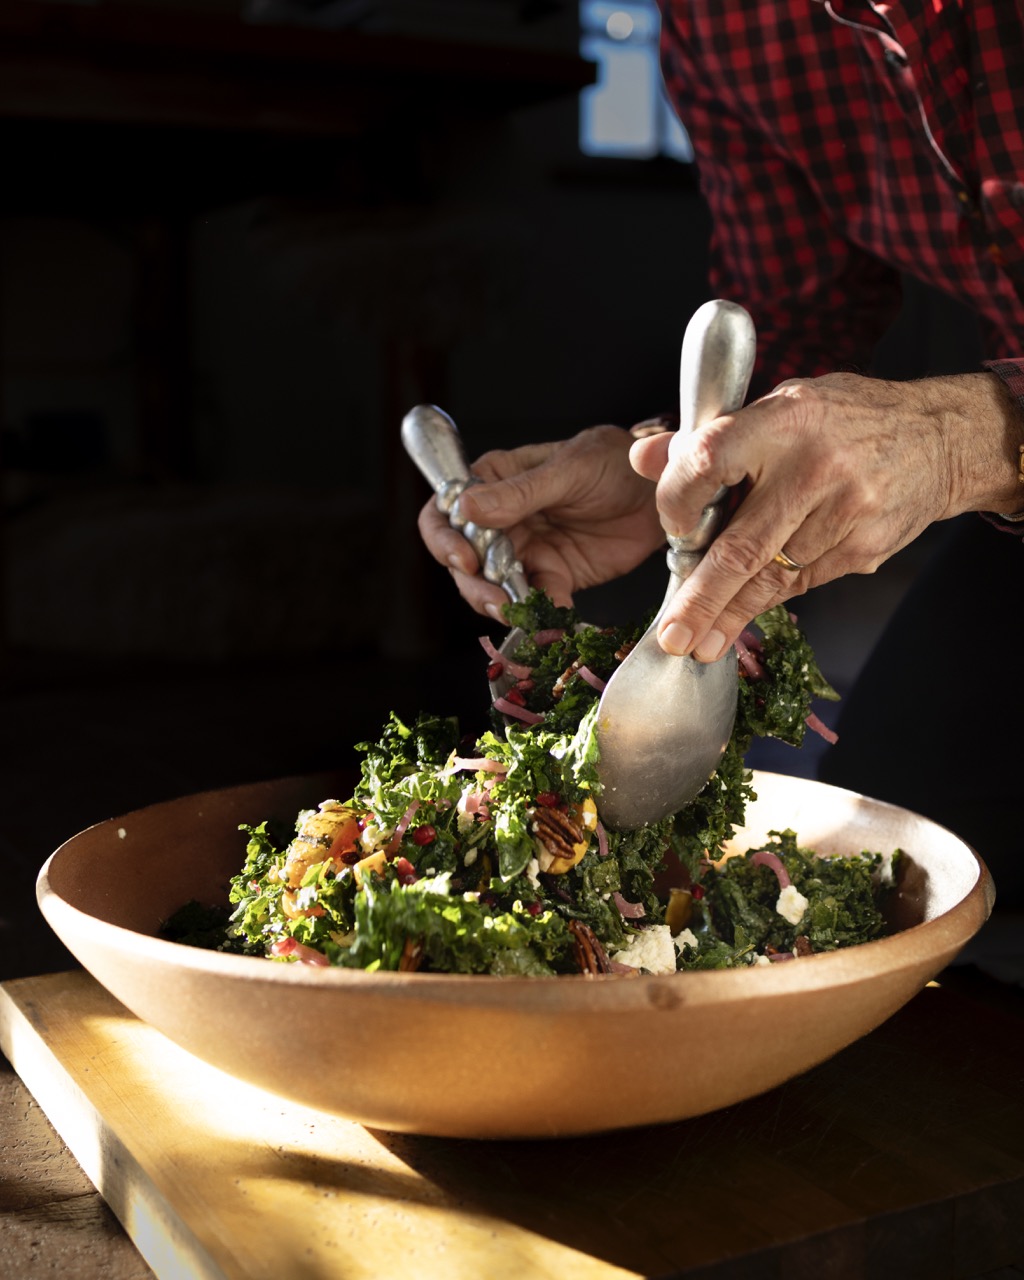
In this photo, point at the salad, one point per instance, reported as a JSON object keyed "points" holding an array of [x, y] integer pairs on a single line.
{"points": [[488, 855]]}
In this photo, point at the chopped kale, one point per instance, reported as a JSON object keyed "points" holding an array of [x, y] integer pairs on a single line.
{"points": [[491, 859]]}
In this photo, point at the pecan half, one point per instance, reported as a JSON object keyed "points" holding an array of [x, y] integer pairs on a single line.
{"points": [[558, 688], [587, 951], [564, 840]]}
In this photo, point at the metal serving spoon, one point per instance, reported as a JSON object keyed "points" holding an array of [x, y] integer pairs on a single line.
{"points": [[432, 441], [664, 720]]}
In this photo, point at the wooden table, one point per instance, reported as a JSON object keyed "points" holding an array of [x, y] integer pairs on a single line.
{"points": [[902, 1157]]}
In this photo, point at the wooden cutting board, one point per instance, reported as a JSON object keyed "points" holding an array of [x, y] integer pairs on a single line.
{"points": [[902, 1157]]}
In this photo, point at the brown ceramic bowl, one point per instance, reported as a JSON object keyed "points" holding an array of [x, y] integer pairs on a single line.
{"points": [[499, 1057]]}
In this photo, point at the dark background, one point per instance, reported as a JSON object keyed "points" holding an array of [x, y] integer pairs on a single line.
{"points": [[231, 257]]}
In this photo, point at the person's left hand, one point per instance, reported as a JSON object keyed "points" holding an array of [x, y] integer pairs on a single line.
{"points": [[843, 472]]}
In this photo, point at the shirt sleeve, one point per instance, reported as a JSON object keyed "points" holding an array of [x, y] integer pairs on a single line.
{"points": [[818, 302]]}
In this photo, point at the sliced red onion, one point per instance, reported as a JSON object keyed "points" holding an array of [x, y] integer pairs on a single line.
{"points": [[602, 841], [403, 822], [820, 727], [764, 858], [749, 661], [516, 713], [628, 910], [479, 764], [475, 803], [595, 682], [515, 669], [781, 955], [549, 636]]}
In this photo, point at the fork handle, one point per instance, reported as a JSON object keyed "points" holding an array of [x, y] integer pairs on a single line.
{"points": [[432, 441]]}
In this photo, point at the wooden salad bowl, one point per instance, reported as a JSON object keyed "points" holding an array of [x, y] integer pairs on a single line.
{"points": [[487, 1057]]}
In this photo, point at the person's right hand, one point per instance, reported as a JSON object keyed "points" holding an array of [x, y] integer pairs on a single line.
{"points": [[576, 511]]}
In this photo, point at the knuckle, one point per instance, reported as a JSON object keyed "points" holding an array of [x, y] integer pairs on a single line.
{"points": [[736, 554], [701, 457]]}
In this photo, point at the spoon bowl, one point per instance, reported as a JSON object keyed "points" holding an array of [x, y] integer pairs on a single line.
{"points": [[665, 720]]}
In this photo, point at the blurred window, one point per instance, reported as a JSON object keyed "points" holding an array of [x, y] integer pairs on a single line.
{"points": [[626, 113]]}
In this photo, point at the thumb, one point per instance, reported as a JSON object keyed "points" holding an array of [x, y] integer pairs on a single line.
{"points": [[649, 456]]}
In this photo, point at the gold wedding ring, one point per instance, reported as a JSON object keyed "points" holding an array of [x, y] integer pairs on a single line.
{"points": [[793, 565]]}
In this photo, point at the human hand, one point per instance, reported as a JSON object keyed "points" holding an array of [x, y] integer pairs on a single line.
{"points": [[843, 471], [576, 511]]}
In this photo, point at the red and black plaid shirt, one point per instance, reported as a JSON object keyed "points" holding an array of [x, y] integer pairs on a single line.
{"points": [[841, 144]]}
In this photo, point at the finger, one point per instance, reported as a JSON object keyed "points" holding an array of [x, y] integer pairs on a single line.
{"points": [[699, 623], [445, 544], [511, 499], [699, 619], [498, 464], [762, 592], [481, 595]]}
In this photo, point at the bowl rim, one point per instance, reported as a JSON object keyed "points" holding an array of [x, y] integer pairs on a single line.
{"points": [[947, 931]]}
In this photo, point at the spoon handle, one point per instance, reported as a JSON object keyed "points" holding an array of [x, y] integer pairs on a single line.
{"points": [[432, 441], [715, 365]]}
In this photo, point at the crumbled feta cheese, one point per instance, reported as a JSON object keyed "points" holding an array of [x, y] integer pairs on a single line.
{"points": [[686, 938], [372, 836], [470, 856], [791, 904], [544, 858], [121, 833], [532, 872], [761, 959], [653, 950]]}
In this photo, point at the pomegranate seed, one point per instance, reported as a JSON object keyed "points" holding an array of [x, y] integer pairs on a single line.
{"points": [[697, 892], [516, 696], [534, 908], [548, 800], [424, 835], [405, 870], [351, 858], [495, 670]]}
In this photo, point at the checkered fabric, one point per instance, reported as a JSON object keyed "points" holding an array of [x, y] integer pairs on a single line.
{"points": [[843, 143]]}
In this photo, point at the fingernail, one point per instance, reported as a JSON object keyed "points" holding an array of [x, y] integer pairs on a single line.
{"points": [[455, 564], [675, 638], [711, 647], [495, 610]]}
